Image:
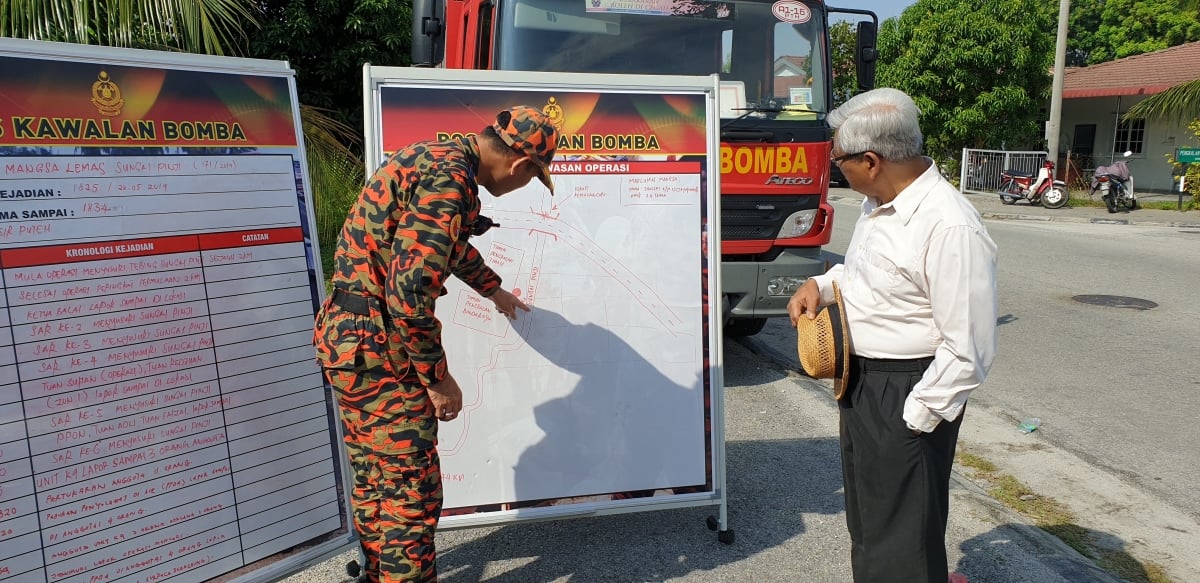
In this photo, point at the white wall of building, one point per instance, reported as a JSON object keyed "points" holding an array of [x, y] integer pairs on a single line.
{"points": [[1150, 169]]}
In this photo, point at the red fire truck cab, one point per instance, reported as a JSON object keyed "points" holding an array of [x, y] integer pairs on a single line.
{"points": [[773, 58]]}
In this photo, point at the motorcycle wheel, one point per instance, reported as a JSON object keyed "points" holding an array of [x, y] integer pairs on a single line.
{"points": [[1130, 203], [1110, 203], [1005, 197], [1055, 198]]}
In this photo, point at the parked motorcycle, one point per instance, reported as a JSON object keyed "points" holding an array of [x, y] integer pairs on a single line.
{"points": [[1112, 182], [1040, 188]]}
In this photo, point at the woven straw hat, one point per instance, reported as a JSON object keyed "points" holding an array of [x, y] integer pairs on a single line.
{"points": [[824, 344]]}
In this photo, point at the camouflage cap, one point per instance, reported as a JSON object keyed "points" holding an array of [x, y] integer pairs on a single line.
{"points": [[527, 130]]}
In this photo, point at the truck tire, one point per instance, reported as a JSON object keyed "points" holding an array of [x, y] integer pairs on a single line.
{"points": [[741, 327]]}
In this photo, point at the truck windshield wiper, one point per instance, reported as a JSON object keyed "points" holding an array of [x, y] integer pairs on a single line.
{"points": [[753, 108], [731, 132]]}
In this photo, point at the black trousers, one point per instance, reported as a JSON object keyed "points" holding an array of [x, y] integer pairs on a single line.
{"points": [[897, 485]]}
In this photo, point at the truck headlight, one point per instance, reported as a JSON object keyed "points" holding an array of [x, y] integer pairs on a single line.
{"points": [[784, 285], [798, 224]]}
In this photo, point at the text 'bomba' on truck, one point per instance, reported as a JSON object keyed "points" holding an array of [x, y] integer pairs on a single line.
{"points": [[776, 87]]}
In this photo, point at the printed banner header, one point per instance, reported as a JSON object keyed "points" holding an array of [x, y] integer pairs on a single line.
{"points": [[57, 103], [657, 126]]}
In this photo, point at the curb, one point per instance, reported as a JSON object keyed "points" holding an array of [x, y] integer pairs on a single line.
{"points": [[1011, 216], [1086, 220]]}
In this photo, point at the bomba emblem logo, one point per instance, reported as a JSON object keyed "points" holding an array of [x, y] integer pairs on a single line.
{"points": [[554, 111], [106, 96]]}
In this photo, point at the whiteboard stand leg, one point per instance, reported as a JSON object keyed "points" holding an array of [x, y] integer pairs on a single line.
{"points": [[355, 571], [724, 533]]}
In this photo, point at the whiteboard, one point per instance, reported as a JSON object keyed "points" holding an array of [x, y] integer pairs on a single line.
{"points": [[604, 397], [162, 417]]}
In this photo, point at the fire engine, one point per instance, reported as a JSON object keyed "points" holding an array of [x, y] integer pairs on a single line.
{"points": [[776, 87]]}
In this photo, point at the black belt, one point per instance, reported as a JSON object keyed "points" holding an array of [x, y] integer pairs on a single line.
{"points": [[891, 364], [351, 302]]}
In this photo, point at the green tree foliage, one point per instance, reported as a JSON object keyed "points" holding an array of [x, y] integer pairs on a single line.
{"points": [[327, 42], [1084, 26], [1192, 172], [215, 27], [1192, 180], [842, 40], [978, 69], [1105, 30]]}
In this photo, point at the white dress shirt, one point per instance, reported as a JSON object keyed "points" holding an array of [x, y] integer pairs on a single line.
{"points": [[919, 280]]}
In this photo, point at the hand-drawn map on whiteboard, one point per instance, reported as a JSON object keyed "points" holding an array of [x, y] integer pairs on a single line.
{"points": [[600, 392]]}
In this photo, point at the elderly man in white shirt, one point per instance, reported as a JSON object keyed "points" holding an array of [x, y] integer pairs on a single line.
{"points": [[919, 287]]}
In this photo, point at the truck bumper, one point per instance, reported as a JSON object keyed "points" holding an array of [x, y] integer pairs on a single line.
{"points": [[744, 284]]}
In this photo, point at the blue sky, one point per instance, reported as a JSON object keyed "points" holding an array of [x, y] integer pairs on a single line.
{"points": [[884, 8]]}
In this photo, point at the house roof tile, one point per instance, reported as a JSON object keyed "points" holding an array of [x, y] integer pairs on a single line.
{"points": [[1144, 74]]}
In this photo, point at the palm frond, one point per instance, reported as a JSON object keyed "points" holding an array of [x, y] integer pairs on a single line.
{"points": [[1179, 103], [329, 135], [215, 27]]}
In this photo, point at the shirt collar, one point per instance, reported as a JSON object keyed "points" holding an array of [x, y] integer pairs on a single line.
{"points": [[470, 147], [909, 200]]}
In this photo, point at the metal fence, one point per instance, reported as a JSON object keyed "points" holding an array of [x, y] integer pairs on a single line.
{"points": [[980, 170]]}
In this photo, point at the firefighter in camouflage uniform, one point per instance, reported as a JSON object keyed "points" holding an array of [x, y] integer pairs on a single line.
{"points": [[378, 341]]}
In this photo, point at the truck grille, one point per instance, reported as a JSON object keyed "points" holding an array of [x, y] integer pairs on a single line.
{"points": [[756, 217]]}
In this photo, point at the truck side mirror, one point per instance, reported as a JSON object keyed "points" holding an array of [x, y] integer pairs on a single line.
{"points": [[865, 55], [427, 31]]}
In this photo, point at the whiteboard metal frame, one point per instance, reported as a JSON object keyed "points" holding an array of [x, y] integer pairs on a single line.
{"points": [[375, 77], [146, 58]]}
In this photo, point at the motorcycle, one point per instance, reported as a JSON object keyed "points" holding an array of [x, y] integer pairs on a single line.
{"points": [[1112, 182], [1040, 188]]}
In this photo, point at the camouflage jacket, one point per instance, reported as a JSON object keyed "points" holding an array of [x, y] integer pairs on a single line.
{"points": [[406, 234]]}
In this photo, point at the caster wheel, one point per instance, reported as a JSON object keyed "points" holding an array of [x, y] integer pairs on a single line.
{"points": [[352, 569], [725, 536], [712, 523]]}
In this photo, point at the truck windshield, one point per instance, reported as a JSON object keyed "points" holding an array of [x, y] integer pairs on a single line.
{"points": [[770, 56]]}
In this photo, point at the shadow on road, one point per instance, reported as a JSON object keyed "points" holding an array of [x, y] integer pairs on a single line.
{"points": [[991, 556], [766, 505]]}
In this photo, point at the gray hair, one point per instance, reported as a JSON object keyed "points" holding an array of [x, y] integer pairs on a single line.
{"points": [[883, 121]]}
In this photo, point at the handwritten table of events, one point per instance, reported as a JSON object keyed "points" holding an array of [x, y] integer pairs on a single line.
{"points": [[161, 415]]}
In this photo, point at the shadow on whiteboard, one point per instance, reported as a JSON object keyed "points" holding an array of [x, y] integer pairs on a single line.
{"points": [[784, 496], [625, 429]]}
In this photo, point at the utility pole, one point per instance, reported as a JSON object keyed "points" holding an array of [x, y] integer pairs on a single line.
{"points": [[1060, 60]]}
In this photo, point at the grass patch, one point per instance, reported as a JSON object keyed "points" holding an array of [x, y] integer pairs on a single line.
{"points": [[1053, 517], [1081, 199], [980, 465], [1084, 201], [1188, 205]]}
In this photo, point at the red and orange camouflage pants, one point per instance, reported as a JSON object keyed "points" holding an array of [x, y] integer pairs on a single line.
{"points": [[397, 490]]}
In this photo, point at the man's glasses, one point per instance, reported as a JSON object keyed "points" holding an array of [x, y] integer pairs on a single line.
{"points": [[845, 157]]}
